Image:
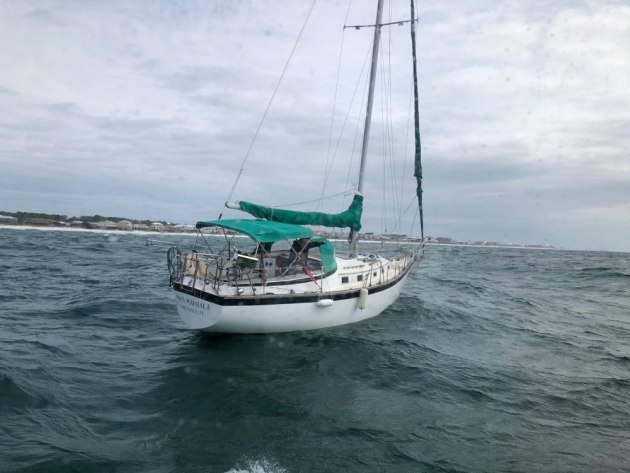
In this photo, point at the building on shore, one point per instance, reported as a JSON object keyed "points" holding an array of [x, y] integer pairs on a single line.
{"points": [[8, 220], [42, 222], [105, 225]]}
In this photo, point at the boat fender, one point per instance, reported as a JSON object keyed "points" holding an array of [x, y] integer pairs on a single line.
{"points": [[363, 296], [324, 303]]}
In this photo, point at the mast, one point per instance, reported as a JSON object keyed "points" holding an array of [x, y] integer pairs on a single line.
{"points": [[354, 235], [416, 118]]}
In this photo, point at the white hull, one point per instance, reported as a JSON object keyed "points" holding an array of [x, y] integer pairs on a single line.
{"points": [[332, 309]]}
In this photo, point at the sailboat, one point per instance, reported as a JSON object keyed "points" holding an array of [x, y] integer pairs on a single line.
{"points": [[282, 276]]}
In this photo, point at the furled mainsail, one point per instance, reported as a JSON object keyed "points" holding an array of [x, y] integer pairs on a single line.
{"points": [[350, 218]]}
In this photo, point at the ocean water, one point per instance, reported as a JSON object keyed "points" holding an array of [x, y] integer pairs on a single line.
{"points": [[493, 359]]}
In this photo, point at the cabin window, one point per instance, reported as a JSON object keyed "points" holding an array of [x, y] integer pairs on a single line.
{"points": [[360, 277], [344, 279]]}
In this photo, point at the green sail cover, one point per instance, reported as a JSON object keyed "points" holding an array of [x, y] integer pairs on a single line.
{"points": [[327, 252], [350, 218]]}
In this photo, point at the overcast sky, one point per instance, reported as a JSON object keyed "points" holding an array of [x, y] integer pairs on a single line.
{"points": [[145, 109]]}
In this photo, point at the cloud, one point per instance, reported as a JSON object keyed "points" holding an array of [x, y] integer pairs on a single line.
{"points": [[147, 109]]}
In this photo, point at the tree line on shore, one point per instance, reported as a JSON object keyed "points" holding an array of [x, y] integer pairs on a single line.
{"points": [[25, 217]]}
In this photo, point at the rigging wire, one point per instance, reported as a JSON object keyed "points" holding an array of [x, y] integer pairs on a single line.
{"points": [[398, 225], [358, 122], [332, 118], [406, 152], [394, 178], [390, 126], [405, 164], [344, 193], [388, 154], [262, 120], [413, 224], [345, 122], [384, 139], [398, 171]]}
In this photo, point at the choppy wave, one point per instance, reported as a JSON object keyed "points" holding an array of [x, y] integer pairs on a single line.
{"points": [[257, 466], [492, 360]]}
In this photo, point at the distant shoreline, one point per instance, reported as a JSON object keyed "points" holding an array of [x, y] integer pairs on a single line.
{"points": [[192, 234], [94, 230]]}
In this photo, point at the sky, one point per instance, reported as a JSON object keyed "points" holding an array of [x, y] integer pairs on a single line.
{"points": [[146, 110]]}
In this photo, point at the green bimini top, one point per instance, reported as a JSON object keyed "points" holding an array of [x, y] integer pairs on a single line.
{"points": [[264, 231], [261, 231]]}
